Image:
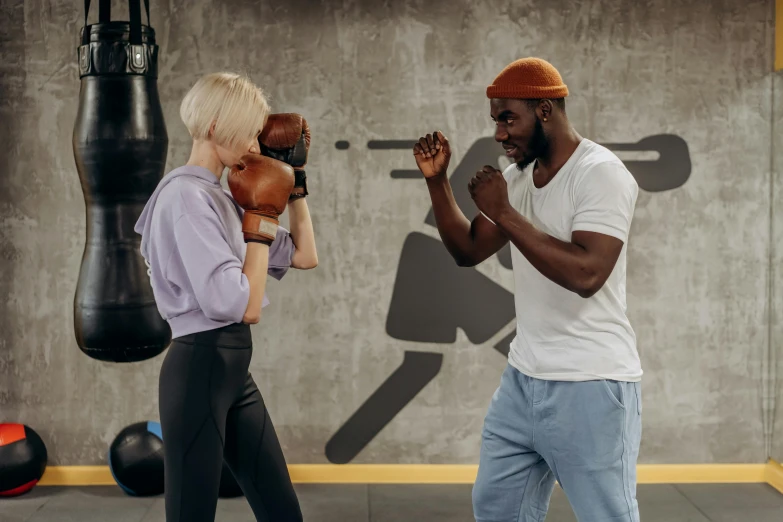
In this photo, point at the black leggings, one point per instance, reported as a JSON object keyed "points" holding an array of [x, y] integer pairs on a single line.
{"points": [[211, 410]]}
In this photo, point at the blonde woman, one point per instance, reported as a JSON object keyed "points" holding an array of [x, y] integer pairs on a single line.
{"points": [[208, 269]]}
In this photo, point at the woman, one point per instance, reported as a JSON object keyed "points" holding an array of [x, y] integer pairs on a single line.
{"points": [[209, 285]]}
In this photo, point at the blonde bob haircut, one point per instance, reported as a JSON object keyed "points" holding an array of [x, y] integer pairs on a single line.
{"points": [[232, 103]]}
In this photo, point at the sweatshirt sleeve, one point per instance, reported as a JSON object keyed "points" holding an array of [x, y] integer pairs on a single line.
{"points": [[214, 272], [280, 254]]}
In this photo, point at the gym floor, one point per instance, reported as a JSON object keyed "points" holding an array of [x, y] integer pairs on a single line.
{"points": [[397, 503]]}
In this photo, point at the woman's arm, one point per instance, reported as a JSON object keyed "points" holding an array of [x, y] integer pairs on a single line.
{"points": [[225, 288], [255, 269], [305, 256]]}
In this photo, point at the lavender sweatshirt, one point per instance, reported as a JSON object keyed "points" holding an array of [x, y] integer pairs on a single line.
{"points": [[191, 240]]}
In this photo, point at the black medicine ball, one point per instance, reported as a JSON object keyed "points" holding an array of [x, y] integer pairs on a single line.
{"points": [[136, 459], [23, 459]]}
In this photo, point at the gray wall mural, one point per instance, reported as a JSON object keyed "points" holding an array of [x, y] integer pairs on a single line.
{"points": [[433, 297]]}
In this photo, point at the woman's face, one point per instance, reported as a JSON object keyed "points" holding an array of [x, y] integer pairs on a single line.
{"points": [[230, 156]]}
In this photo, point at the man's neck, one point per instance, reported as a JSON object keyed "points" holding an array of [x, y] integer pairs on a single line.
{"points": [[562, 147]]}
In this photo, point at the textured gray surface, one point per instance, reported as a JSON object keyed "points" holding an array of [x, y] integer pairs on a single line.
{"points": [[361, 70], [774, 390], [403, 503]]}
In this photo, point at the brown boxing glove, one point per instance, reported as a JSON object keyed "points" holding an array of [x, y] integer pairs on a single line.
{"points": [[286, 137], [261, 186]]}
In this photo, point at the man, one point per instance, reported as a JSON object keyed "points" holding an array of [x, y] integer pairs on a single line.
{"points": [[568, 407]]}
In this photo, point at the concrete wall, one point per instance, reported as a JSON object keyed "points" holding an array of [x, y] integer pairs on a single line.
{"points": [[774, 375], [699, 254]]}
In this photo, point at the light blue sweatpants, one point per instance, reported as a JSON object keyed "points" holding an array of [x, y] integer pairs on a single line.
{"points": [[584, 435]]}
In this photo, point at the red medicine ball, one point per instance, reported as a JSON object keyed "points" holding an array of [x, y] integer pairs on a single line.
{"points": [[22, 459]]}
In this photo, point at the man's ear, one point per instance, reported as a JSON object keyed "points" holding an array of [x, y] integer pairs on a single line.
{"points": [[545, 109]]}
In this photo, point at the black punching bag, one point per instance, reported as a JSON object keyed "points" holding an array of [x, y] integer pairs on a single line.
{"points": [[120, 145]]}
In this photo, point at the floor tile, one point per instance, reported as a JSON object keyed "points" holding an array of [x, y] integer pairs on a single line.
{"points": [[740, 502], [393, 503], [156, 512], [732, 495], [747, 515], [320, 503], [665, 503], [115, 513], [21, 508], [234, 510], [333, 503], [657, 503], [91, 504], [421, 502]]}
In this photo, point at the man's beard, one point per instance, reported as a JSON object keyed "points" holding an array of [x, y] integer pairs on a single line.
{"points": [[537, 147]]}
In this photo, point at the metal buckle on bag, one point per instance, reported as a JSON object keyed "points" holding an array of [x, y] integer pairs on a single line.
{"points": [[84, 59], [138, 58]]}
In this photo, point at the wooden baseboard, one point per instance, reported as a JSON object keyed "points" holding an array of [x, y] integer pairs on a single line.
{"points": [[771, 472]]}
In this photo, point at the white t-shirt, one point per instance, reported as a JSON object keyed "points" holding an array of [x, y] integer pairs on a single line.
{"points": [[560, 335]]}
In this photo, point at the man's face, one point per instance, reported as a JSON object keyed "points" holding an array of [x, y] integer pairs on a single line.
{"points": [[519, 130]]}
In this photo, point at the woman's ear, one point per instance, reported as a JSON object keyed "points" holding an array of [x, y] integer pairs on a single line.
{"points": [[212, 130]]}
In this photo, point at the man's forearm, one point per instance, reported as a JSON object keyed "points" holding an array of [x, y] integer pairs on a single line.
{"points": [[453, 226], [561, 262]]}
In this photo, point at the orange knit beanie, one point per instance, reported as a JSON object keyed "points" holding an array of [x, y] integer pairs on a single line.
{"points": [[528, 78]]}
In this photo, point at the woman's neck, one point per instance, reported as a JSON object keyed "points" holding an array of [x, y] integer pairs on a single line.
{"points": [[203, 154]]}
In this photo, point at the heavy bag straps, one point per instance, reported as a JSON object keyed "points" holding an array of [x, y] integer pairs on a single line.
{"points": [[135, 22], [104, 11], [104, 15]]}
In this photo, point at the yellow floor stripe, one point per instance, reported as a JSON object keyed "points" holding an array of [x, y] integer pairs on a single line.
{"points": [[77, 476], [774, 475], [450, 474], [700, 473], [383, 474]]}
